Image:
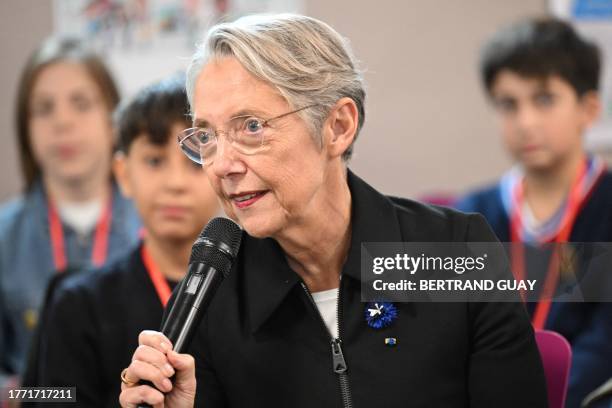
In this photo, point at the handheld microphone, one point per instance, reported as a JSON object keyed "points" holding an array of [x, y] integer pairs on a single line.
{"points": [[212, 256]]}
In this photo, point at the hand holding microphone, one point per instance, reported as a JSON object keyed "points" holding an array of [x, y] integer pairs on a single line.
{"points": [[155, 361], [158, 356]]}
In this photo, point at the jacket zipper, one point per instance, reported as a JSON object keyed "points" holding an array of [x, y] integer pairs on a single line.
{"points": [[339, 363]]}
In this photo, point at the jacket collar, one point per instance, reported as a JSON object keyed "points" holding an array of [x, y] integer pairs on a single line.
{"points": [[269, 279]]}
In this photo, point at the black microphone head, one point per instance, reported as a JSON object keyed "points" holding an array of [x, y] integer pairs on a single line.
{"points": [[223, 230], [218, 244]]}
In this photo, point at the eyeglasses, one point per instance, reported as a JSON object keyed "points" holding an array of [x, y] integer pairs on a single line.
{"points": [[245, 133]]}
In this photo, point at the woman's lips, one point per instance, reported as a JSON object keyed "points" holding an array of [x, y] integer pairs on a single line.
{"points": [[245, 200]]}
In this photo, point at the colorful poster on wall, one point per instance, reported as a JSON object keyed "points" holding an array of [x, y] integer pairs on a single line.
{"points": [[593, 18], [146, 40]]}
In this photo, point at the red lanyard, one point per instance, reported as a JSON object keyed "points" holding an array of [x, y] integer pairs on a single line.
{"points": [[574, 202], [100, 243], [157, 278]]}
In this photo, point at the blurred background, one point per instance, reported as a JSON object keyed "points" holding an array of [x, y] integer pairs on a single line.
{"points": [[429, 129]]}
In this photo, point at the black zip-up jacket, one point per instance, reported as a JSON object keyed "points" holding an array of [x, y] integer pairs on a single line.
{"points": [[263, 344]]}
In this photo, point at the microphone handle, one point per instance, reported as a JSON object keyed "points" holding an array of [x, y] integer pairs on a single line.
{"points": [[201, 285]]}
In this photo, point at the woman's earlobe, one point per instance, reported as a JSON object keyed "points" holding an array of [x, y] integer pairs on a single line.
{"points": [[343, 126]]}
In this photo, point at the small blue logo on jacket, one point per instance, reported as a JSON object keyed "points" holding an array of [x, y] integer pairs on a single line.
{"points": [[380, 314]]}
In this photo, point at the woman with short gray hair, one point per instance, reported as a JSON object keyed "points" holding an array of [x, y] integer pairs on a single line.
{"points": [[306, 60], [277, 103]]}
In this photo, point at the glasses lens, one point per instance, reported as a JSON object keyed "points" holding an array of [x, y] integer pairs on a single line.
{"points": [[249, 137], [190, 145], [207, 152]]}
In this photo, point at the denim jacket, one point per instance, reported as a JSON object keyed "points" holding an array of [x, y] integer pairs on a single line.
{"points": [[26, 265]]}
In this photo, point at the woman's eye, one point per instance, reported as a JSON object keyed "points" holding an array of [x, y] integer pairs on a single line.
{"points": [[203, 136], [253, 125]]}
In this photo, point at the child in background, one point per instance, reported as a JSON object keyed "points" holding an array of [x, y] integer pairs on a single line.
{"points": [[102, 314], [543, 80], [71, 215]]}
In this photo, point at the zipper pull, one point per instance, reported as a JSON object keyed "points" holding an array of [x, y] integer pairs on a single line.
{"points": [[339, 364]]}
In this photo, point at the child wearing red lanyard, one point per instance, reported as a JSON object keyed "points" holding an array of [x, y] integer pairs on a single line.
{"points": [[71, 215], [543, 80], [101, 314]]}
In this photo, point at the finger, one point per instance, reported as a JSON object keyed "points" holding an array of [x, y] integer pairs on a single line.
{"points": [[184, 365], [131, 397], [141, 370], [129, 377], [155, 339], [154, 357]]}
